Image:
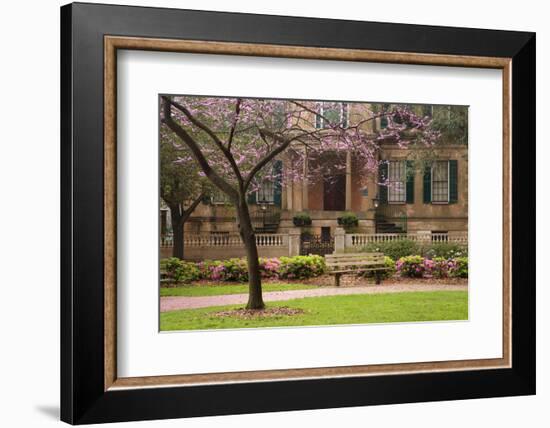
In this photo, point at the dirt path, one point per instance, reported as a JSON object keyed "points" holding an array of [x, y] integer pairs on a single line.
{"points": [[182, 302]]}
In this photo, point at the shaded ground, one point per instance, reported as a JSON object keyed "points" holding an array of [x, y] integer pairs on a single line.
{"points": [[176, 302]]}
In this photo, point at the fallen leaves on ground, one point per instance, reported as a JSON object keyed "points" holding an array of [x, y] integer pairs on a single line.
{"points": [[259, 313]]}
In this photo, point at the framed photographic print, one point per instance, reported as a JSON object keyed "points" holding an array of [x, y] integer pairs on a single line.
{"points": [[266, 213]]}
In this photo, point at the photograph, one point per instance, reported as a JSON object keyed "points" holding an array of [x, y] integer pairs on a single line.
{"points": [[267, 213], [309, 212]]}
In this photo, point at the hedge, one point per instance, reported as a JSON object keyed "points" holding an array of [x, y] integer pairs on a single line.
{"points": [[236, 270], [408, 247], [176, 271]]}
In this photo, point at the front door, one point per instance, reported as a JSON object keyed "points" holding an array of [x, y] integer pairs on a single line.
{"points": [[334, 192]]}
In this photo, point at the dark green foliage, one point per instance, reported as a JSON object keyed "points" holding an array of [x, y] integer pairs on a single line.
{"points": [[348, 220], [394, 249], [301, 219], [447, 250], [178, 271], [460, 270], [452, 122], [407, 247], [301, 267]]}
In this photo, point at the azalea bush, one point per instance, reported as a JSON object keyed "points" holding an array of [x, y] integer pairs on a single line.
{"points": [[269, 268], [176, 271], [411, 266], [301, 267], [234, 269], [298, 267], [179, 271], [459, 268], [438, 267]]}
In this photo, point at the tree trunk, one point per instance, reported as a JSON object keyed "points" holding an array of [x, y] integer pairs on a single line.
{"points": [[255, 299], [179, 217], [177, 232]]}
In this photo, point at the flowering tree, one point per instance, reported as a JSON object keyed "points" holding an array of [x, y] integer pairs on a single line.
{"points": [[181, 187], [235, 141]]}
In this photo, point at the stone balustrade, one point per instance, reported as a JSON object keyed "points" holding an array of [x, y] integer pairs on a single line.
{"points": [[223, 246]]}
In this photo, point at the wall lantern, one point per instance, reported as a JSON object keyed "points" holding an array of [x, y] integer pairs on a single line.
{"points": [[376, 201]]}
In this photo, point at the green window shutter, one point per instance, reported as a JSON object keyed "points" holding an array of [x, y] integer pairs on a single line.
{"points": [[206, 199], [382, 176], [428, 184], [277, 185], [453, 181], [251, 198], [409, 171]]}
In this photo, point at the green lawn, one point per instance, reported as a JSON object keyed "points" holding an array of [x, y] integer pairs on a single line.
{"points": [[217, 290], [330, 310]]}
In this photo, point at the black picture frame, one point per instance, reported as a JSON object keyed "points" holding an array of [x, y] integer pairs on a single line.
{"points": [[83, 399]]}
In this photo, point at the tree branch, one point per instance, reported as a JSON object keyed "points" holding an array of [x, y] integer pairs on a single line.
{"points": [[223, 185], [285, 142], [199, 124], [187, 212], [234, 125]]}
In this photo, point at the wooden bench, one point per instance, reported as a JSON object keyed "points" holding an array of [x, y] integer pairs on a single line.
{"points": [[340, 264]]}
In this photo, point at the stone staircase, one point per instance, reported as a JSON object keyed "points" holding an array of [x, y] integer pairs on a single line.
{"points": [[265, 219], [266, 228], [383, 226]]}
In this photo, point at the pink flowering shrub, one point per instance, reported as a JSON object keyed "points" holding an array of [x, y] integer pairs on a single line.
{"points": [[411, 266], [303, 267], [438, 267], [224, 270], [298, 267], [269, 268], [235, 270], [209, 269]]}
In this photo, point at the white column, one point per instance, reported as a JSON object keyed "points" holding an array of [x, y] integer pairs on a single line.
{"points": [[339, 240], [294, 241]]}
